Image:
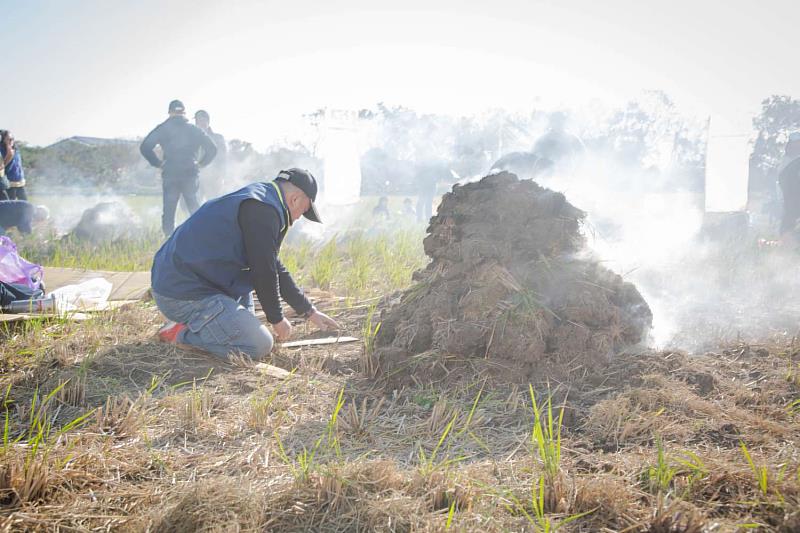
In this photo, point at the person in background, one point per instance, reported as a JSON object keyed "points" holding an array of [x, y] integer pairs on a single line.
{"points": [[181, 143], [558, 150], [408, 208], [22, 215], [428, 176], [204, 276], [212, 180], [12, 162], [789, 181], [382, 209]]}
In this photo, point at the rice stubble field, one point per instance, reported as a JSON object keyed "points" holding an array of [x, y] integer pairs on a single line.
{"points": [[104, 428]]}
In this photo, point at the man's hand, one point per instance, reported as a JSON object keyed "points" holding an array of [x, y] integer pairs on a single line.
{"points": [[323, 321], [283, 330]]}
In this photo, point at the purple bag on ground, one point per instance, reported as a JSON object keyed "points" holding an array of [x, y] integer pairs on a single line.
{"points": [[14, 269]]}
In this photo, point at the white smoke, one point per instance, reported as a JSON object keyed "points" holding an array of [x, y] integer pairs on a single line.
{"points": [[645, 214]]}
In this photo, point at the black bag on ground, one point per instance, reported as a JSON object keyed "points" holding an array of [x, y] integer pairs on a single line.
{"points": [[11, 292]]}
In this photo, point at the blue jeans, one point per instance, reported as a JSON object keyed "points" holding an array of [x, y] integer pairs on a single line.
{"points": [[218, 324]]}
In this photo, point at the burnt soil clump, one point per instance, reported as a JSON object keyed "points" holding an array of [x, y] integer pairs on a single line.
{"points": [[509, 289]]}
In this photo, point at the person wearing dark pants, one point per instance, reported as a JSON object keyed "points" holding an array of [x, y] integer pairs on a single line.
{"points": [[204, 275], [174, 189], [181, 143], [428, 175], [17, 193], [3, 188]]}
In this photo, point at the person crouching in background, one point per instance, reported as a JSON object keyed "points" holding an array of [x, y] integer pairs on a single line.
{"points": [[21, 215], [12, 162]]}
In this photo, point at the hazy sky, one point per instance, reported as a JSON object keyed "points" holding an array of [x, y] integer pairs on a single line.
{"points": [[104, 68]]}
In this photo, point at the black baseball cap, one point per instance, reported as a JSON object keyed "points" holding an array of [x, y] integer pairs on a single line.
{"points": [[176, 106], [303, 180]]}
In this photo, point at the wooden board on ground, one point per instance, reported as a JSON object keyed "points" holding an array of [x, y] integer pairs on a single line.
{"points": [[273, 371], [126, 285], [13, 317], [318, 342]]}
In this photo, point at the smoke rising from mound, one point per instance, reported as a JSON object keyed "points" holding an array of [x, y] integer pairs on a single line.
{"points": [[703, 286]]}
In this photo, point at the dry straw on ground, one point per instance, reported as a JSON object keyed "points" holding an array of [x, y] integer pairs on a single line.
{"points": [[389, 462]]}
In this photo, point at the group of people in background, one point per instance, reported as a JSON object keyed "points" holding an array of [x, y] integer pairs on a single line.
{"points": [[15, 210], [185, 149], [381, 210], [193, 161]]}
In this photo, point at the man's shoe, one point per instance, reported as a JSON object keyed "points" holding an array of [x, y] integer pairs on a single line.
{"points": [[169, 333]]}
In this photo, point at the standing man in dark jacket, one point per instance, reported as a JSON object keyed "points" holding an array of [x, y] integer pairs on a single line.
{"points": [[204, 275], [181, 144]]}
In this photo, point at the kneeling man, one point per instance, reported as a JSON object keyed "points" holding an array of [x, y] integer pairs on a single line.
{"points": [[204, 275]]}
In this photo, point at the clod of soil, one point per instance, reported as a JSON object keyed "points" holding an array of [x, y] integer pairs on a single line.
{"points": [[509, 284]]}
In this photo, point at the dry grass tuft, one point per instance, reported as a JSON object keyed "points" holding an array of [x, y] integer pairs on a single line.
{"points": [[199, 403], [31, 476], [331, 490], [24, 480], [73, 391], [369, 364], [607, 498], [356, 421], [354, 497], [676, 517], [259, 414], [559, 494], [442, 493], [442, 414], [381, 476], [119, 417], [219, 504]]}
